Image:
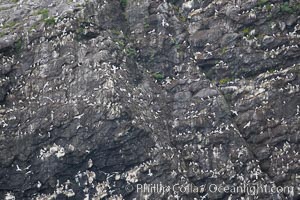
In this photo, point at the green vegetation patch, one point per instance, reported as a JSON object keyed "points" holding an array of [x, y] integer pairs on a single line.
{"points": [[33, 27], [271, 71], [50, 21], [80, 33], [116, 32], [146, 25], [10, 24], [225, 80], [158, 76], [44, 13], [174, 1], [286, 8], [246, 31], [130, 51], [268, 7], [223, 50], [18, 46], [121, 43], [123, 4], [262, 2], [2, 34]]}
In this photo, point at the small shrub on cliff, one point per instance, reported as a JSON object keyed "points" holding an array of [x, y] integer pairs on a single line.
{"points": [[268, 7], [18, 46], [246, 31], [271, 71], [50, 21], [225, 81], [262, 2], [9, 24], [44, 13], [223, 50], [158, 76], [116, 32], [290, 8], [123, 4], [121, 43], [130, 51], [80, 33], [285, 8], [174, 1], [146, 25]]}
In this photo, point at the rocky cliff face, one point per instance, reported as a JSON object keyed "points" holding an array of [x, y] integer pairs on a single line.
{"points": [[99, 96]]}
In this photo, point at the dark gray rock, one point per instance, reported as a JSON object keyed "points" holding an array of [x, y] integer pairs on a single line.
{"points": [[97, 97]]}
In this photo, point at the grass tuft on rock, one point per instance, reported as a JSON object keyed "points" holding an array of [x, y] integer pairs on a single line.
{"points": [[158, 76]]}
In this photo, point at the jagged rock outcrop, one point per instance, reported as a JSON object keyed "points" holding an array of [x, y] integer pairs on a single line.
{"points": [[99, 96]]}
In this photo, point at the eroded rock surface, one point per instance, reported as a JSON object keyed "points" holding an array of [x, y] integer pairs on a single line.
{"points": [[98, 96]]}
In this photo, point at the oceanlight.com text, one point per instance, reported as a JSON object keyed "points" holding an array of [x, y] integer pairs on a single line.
{"points": [[249, 189]]}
